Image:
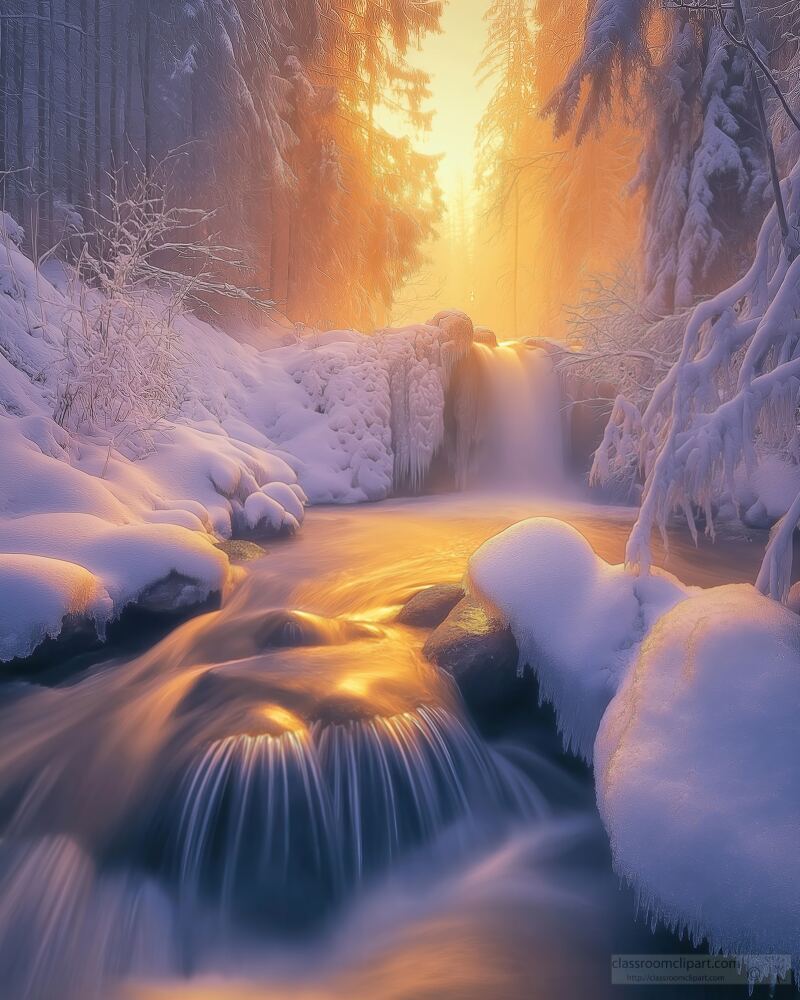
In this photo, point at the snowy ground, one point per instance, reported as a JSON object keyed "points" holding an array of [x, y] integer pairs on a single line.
{"points": [[686, 700], [93, 517]]}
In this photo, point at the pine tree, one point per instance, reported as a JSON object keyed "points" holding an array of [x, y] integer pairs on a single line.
{"points": [[509, 64], [702, 168]]}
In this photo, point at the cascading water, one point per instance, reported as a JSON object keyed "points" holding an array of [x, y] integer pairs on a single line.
{"points": [[522, 441], [504, 424], [271, 823], [259, 770]]}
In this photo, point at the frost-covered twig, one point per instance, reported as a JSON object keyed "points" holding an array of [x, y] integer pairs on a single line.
{"points": [[122, 367]]}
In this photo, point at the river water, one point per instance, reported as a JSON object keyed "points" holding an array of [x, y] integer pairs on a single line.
{"points": [[282, 799]]}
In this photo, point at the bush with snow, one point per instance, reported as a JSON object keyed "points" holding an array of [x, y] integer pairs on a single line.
{"points": [[87, 529]]}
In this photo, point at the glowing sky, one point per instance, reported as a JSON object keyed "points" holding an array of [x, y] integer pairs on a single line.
{"points": [[451, 59]]}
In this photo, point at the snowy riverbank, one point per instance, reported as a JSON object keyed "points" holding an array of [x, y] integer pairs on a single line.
{"points": [[685, 700], [111, 495]]}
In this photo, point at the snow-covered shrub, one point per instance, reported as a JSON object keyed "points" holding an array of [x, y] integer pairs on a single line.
{"points": [[617, 340], [122, 367], [615, 337], [140, 270]]}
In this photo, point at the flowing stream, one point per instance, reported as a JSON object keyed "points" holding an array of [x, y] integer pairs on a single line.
{"points": [[283, 799]]}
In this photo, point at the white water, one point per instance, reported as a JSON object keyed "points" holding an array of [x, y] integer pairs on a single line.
{"points": [[104, 858], [522, 425]]}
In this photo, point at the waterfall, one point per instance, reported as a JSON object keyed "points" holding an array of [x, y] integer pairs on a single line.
{"points": [[523, 437], [504, 420], [280, 827]]}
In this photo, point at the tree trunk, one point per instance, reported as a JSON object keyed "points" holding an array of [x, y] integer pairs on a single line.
{"points": [[515, 303], [21, 53], [5, 89], [145, 42], [98, 121], [68, 114], [51, 114], [83, 108], [127, 129], [113, 94], [41, 98]]}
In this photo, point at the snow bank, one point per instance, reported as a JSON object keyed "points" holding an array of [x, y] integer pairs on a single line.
{"points": [[698, 771], [90, 523], [687, 702], [577, 620], [126, 558], [38, 594]]}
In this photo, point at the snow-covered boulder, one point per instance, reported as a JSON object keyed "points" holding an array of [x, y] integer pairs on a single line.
{"points": [[577, 620], [39, 594], [78, 565], [697, 770]]}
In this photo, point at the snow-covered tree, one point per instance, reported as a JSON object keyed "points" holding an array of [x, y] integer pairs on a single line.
{"points": [[702, 168], [273, 106], [734, 389]]}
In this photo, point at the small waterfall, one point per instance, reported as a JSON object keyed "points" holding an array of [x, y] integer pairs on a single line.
{"points": [[504, 425], [281, 827], [522, 442]]}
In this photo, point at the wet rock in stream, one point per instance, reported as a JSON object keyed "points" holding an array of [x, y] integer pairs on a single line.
{"points": [[429, 607], [476, 647]]}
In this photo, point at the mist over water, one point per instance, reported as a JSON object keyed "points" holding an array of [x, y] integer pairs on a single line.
{"points": [[285, 799]]}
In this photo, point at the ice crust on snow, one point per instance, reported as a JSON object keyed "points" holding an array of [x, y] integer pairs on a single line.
{"points": [[697, 772], [577, 620]]}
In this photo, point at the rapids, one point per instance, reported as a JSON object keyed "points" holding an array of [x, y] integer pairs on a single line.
{"points": [[284, 799]]}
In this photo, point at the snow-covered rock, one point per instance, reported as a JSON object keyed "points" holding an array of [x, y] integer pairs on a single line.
{"points": [[38, 593], [577, 620], [697, 771]]}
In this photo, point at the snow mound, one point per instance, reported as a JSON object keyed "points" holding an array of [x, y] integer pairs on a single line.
{"points": [[38, 594], [697, 772], [125, 559], [577, 620], [347, 384]]}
